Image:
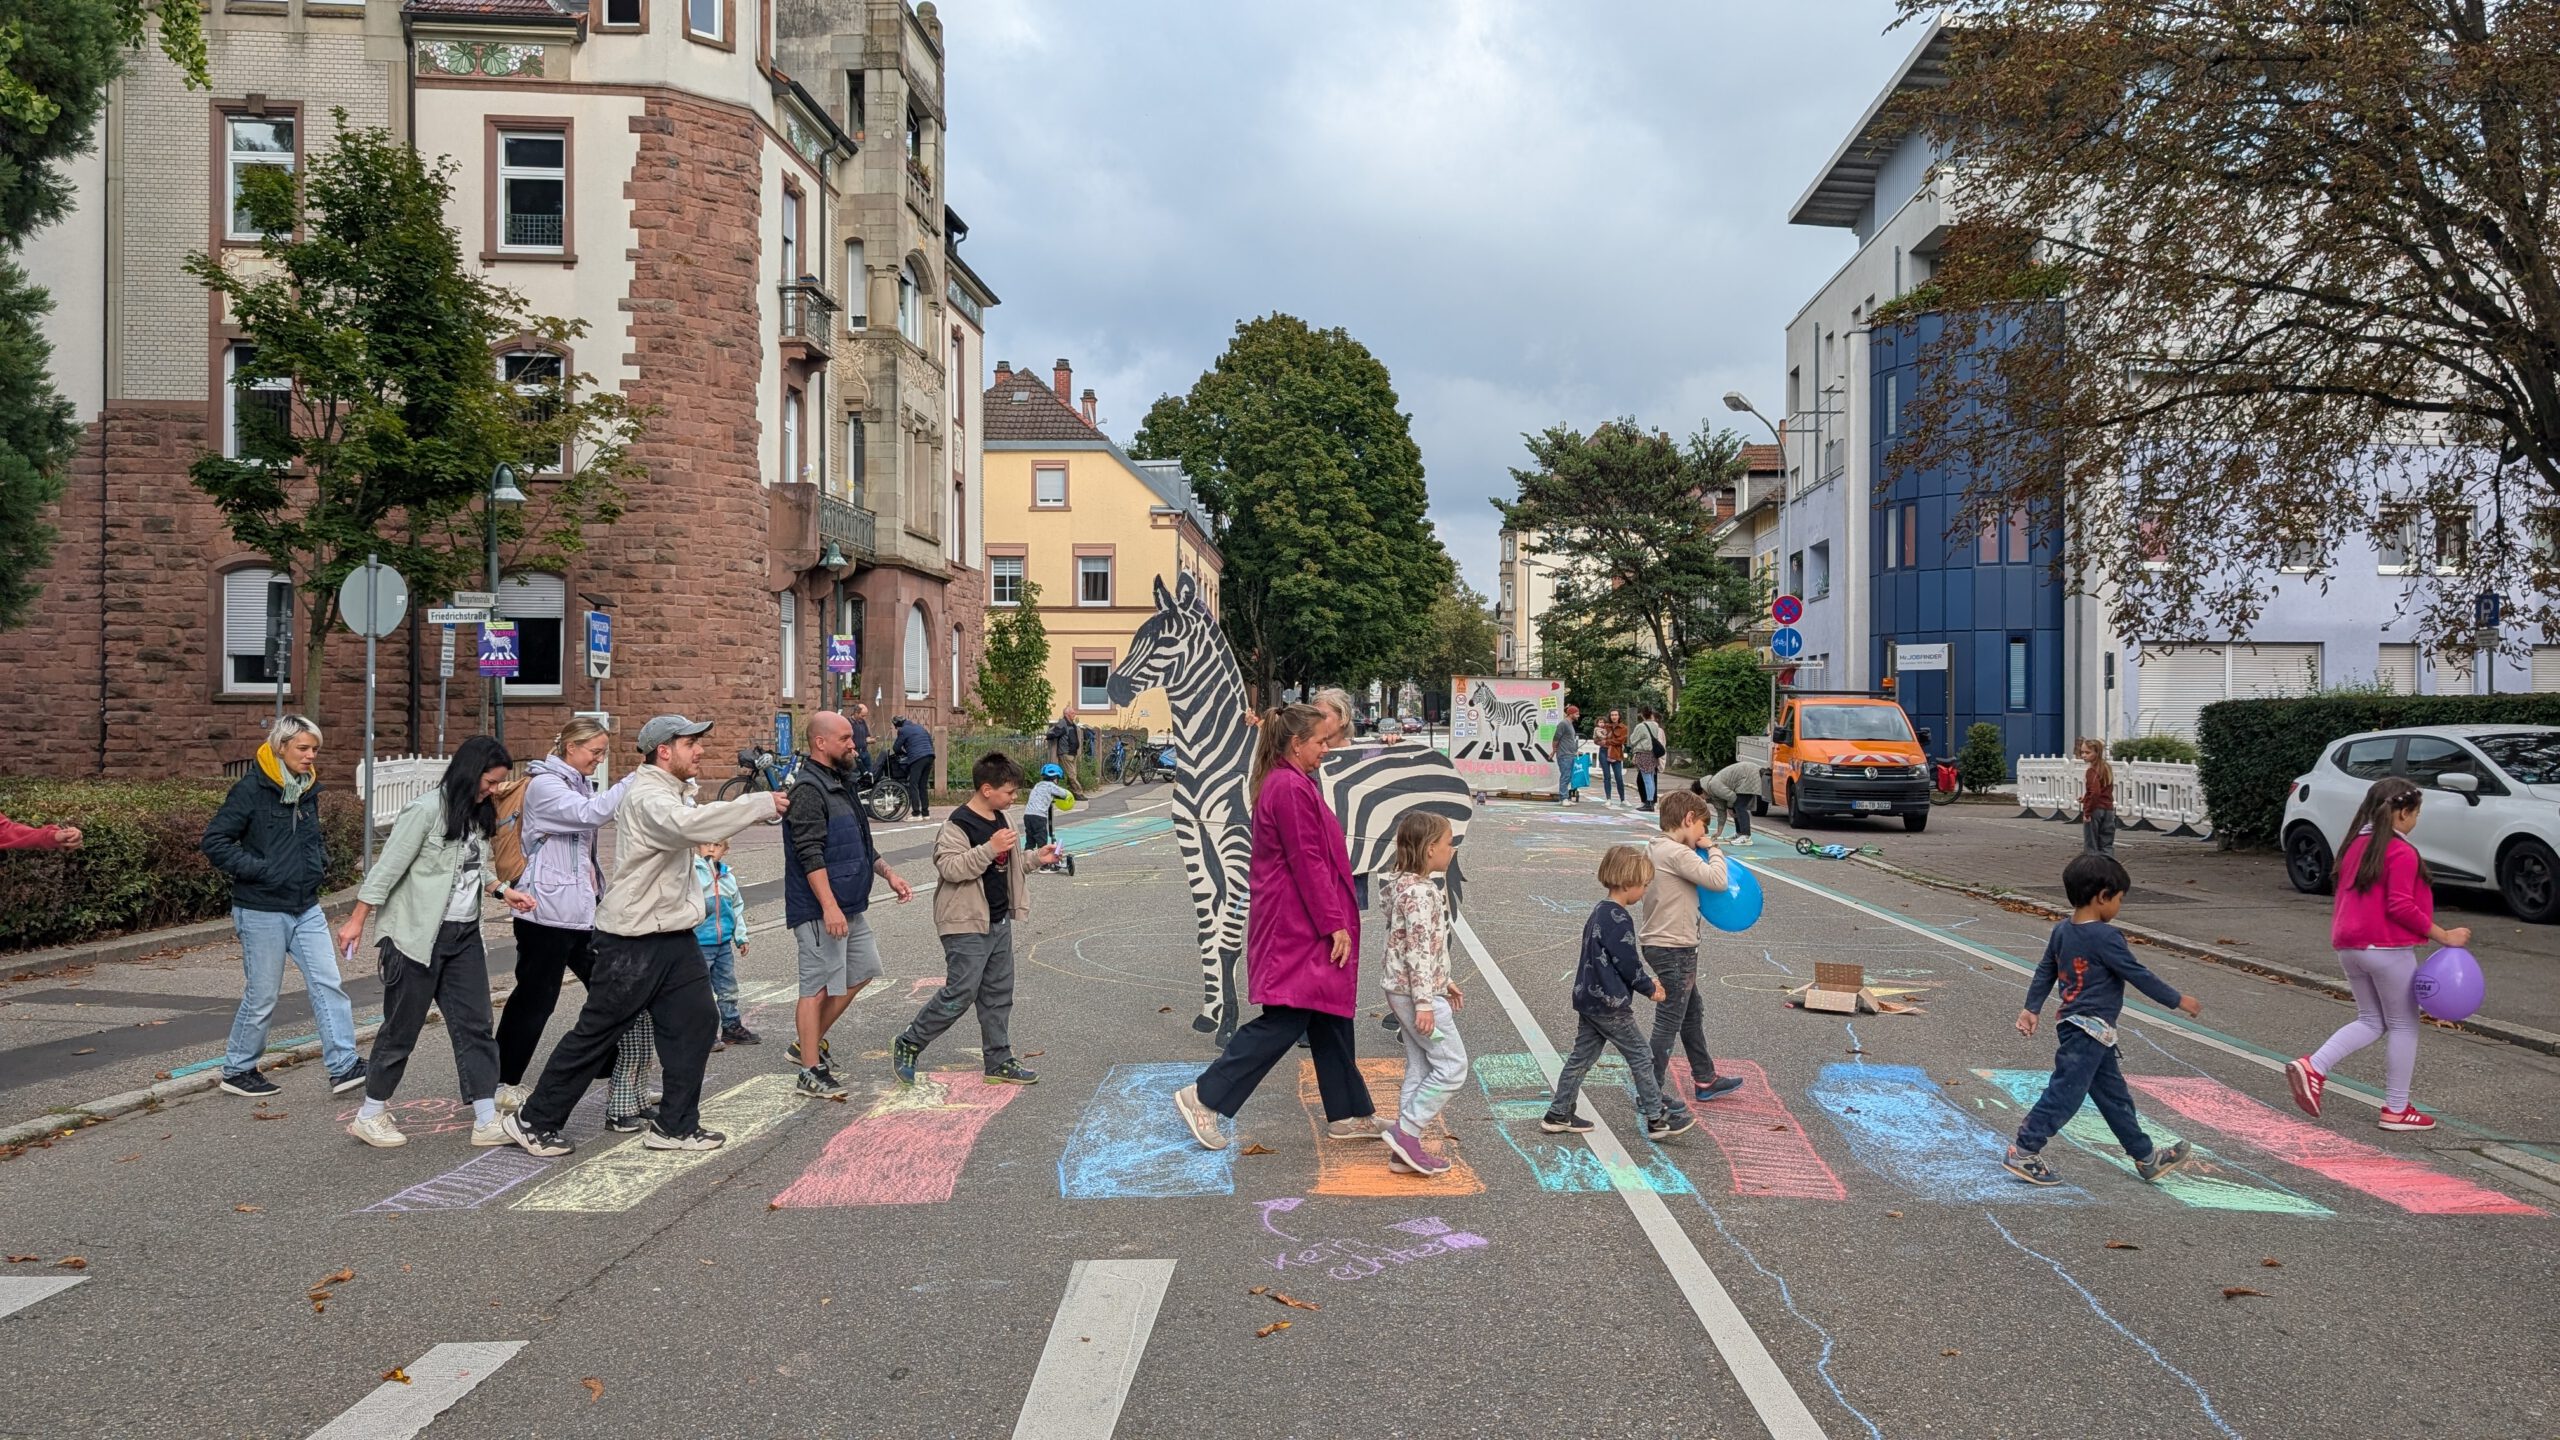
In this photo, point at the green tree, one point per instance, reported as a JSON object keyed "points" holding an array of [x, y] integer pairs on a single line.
{"points": [[1599, 665], [1458, 639], [1724, 694], [1626, 519], [1310, 474], [1013, 675], [397, 413], [56, 59], [1984, 761]]}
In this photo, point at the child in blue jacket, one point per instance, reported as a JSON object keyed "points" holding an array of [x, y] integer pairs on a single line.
{"points": [[722, 936]]}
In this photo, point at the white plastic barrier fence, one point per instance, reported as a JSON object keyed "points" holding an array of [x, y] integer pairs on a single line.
{"points": [[397, 780], [2150, 794]]}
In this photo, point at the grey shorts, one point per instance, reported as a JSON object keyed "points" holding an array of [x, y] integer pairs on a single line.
{"points": [[832, 965]]}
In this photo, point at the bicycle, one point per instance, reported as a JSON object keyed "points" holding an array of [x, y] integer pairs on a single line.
{"points": [[760, 768]]}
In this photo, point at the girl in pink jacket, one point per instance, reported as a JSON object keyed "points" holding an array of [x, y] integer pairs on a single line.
{"points": [[2385, 908], [1301, 944]]}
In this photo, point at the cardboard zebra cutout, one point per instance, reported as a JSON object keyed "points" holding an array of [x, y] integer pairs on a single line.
{"points": [[1370, 787], [1497, 723]]}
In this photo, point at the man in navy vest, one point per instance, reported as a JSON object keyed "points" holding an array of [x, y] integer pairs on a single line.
{"points": [[826, 890]]}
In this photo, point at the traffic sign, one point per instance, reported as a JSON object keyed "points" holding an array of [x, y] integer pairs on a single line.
{"points": [[475, 599], [455, 615], [1786, 642], [840, 655], [1786, 609], [498, 648], [444, 653], [373, 600], [2486, 608], [279, 627], [599, 645]]}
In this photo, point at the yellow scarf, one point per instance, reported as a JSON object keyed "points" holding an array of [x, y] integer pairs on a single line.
{"points": [[293, 785]]}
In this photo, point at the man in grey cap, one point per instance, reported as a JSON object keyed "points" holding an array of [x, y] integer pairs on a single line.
{"points": [[645, 954]]}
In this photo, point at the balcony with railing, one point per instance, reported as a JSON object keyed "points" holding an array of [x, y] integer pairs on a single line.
{"points": [[808, 320], [849, 526]]}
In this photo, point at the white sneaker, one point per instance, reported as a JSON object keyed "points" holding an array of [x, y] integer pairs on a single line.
{"points": [[1202, 1120], [378, 1131], [491, 1135], [510, 1099]]}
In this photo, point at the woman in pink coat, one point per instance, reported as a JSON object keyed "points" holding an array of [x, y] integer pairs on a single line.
{"points": [[1301, 944]]}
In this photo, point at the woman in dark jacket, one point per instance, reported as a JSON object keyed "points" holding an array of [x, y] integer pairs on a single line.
{"points": [[266, 838]]}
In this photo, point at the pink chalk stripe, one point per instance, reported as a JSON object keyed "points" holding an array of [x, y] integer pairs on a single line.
{"points": [[2418, 1188], [1767, 1152], [901, 1157]]}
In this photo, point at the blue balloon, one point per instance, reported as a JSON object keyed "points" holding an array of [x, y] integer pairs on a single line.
{"points": [[1736, 907]]}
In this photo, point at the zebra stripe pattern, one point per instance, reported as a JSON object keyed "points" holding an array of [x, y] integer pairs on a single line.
{"points": [[1373, 787], [1495, 716]]}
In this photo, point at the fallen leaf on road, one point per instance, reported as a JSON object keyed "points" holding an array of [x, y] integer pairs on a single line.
{"points": [[1274, 1328], [1033, 1054], [2122, 1245], [2224, 940], [1777, 1127], [136, 1155], [404, 1269], [1255, 1149], [1164, 1009], [23, 1259], [826, 1299], [160, 1075], [1293, 1302], [2272, 1264], [340, 1278], [396, 1375], [1950, 1352], [839, 1099], [1893, 1214], [319, 1307], [266, 1115], [1259, 1290], [92, 1050], [2234, 1292], [72, 1262], [595, 1389], [709, 1262], [773, 1204]]}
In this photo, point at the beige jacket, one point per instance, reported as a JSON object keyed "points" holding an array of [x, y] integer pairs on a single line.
{"points": [[960, 901], [1671, 901], [652, 891]]}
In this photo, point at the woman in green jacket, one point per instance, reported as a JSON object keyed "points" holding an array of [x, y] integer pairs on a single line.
{"points": [[428, 884]]}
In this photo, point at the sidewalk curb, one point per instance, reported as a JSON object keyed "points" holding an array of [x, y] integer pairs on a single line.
{"points": [[149, 942], [2525, 1036]]}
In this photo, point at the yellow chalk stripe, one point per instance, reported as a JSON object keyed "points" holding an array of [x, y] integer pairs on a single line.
{"points": [[621, 1177]]}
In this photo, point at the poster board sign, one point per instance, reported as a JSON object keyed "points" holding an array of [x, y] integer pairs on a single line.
{"points": [[1502, 731]]}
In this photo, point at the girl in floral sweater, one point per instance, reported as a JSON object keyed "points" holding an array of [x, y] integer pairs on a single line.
{"points": [[1418, 988]]}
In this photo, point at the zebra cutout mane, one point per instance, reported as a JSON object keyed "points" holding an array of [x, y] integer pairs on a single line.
{"points": [[1369, 787]]}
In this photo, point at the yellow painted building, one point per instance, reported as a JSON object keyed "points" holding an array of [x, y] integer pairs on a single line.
{"points": [[1070, 512]]}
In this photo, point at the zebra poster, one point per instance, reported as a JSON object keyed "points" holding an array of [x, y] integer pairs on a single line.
{"points": [[1502, 732]]}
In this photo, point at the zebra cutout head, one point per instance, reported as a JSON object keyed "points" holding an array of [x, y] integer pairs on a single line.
{"points": [[1181, 634]]}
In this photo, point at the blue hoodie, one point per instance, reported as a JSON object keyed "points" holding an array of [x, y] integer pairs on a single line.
{"points": [[1612, 970]]}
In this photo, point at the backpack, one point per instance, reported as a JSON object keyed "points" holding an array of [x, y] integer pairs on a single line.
{"points": [[506, 847]]}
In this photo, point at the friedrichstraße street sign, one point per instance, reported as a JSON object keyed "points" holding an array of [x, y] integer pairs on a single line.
{"points": [[1786, 642], [456, 615]]}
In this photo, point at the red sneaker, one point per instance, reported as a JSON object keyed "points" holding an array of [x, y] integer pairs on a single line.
{"points": [[2407, 1118], [2307, 1082]]}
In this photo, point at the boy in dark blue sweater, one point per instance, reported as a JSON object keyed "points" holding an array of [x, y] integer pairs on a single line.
{"points": [[2087, 959], [1605, 985]]}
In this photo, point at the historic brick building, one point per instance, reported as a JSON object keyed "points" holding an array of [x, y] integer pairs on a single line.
{"points": [[645, 166]]}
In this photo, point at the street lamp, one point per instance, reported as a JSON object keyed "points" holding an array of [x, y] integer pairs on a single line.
{"points": [[1735, 401], [502, 492]]}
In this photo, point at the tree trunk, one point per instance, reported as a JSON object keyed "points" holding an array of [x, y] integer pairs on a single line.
{"points": [[314, 651]]}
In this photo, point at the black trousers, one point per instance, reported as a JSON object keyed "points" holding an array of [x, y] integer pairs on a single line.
{"points": [[661, 975], [919, 778], [544, 953], [1267, 1039], [456, 979]]}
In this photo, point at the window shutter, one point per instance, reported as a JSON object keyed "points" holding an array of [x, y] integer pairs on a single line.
{"points": [[2397, 670], [2177, 683], [532, 597], [2265, 671], [244, 612]]}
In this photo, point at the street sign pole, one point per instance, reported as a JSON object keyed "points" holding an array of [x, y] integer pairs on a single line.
{"points": [[444, 677], [372, 603]]}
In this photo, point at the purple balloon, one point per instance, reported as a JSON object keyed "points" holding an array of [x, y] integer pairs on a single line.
{"points": [[2448, 984]]}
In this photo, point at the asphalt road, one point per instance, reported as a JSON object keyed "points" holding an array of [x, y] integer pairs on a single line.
{"points": [[898, 1265]]}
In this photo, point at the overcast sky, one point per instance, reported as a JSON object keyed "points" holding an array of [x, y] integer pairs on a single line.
{"points": [[1531, 212]]}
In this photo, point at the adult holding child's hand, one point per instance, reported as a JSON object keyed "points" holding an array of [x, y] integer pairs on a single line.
{"points": [[1302, 943]]}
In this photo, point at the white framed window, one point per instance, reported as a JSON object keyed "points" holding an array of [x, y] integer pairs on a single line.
{"points": [[257, 414], [793, 467], [253, 141], [1049, 487], [1004, 580], [790, 236], [2297, 555], [955, 664], [622, 14], [790, 644], [2396, 670], [2395, 544], [244, 632], [919, 664], [537, 603], [911, 304], [533, 191], [537, 376], [1093, 684], [857, 288], [2452, 541], [703, 18], [853, 459], [1093, 579]]}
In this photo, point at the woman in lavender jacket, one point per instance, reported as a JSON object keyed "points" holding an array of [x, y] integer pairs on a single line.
{"points": [[1302, 944], [558, 822]]}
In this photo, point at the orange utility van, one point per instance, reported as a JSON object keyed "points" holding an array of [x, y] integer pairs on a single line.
{"points": [[1842, 754]]}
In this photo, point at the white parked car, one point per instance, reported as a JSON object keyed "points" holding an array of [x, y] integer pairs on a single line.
{"points": [[2491, 819]]}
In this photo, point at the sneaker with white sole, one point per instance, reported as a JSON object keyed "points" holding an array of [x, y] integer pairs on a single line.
{"points": [[2029, 1167], [249, 1083], [377, 1131], [1201, 1120], [2307, 1083], [534, 1142], [345, 1080], [818, 1083], [511, 1098], [490, 1136], [2407, 1117], [2160, 1161], [1564, 1125], [697, 1138], [1357, 1127]]}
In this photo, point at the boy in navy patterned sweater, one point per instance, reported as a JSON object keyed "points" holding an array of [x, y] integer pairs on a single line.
{"points": [[1605, 984], [2086, 957]]}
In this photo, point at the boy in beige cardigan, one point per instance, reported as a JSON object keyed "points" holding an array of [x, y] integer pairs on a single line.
{"points": [[980, 865]]}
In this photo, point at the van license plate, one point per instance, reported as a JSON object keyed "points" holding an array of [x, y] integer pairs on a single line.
{"points": [[1870, 804]]}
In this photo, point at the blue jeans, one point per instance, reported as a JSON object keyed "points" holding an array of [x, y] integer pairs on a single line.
{"points": [[1564, 778], [2084, 1069], [267, 939], [722, 961], [1613, 778]]}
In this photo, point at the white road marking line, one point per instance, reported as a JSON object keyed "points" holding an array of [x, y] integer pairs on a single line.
{"points": [[17, 1292], [1095, 1343], [436, 1380], [1782, 1411]]}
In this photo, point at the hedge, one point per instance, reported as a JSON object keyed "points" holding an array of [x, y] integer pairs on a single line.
{"points": [[138, 867], [2174, 749], [2255, 749]]}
